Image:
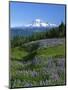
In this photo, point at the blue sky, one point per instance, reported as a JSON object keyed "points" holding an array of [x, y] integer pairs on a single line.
{"points": [[25, 13]]}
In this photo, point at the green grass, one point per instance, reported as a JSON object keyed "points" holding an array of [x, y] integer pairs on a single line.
{"points": [[58, 50], [18, 53], [20, 72]]}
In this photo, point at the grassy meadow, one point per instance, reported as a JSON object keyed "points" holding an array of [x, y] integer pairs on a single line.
{"points": [[38, 61]]}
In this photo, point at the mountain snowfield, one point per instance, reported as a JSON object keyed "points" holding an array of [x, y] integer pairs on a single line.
{"points": [[37, 25], [40, 23]]}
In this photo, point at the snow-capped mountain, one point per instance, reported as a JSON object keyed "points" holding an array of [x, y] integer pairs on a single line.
{"points": [[39, 23]]}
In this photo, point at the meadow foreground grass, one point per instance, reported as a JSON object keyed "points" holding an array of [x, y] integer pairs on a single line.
{"points": [[45, 66]]}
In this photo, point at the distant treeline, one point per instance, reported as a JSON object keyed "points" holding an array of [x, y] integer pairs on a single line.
{"points": [[57, 32]]}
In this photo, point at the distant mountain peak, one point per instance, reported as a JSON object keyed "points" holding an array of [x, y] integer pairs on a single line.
{"points": [[38, 20], [40, 23]]}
